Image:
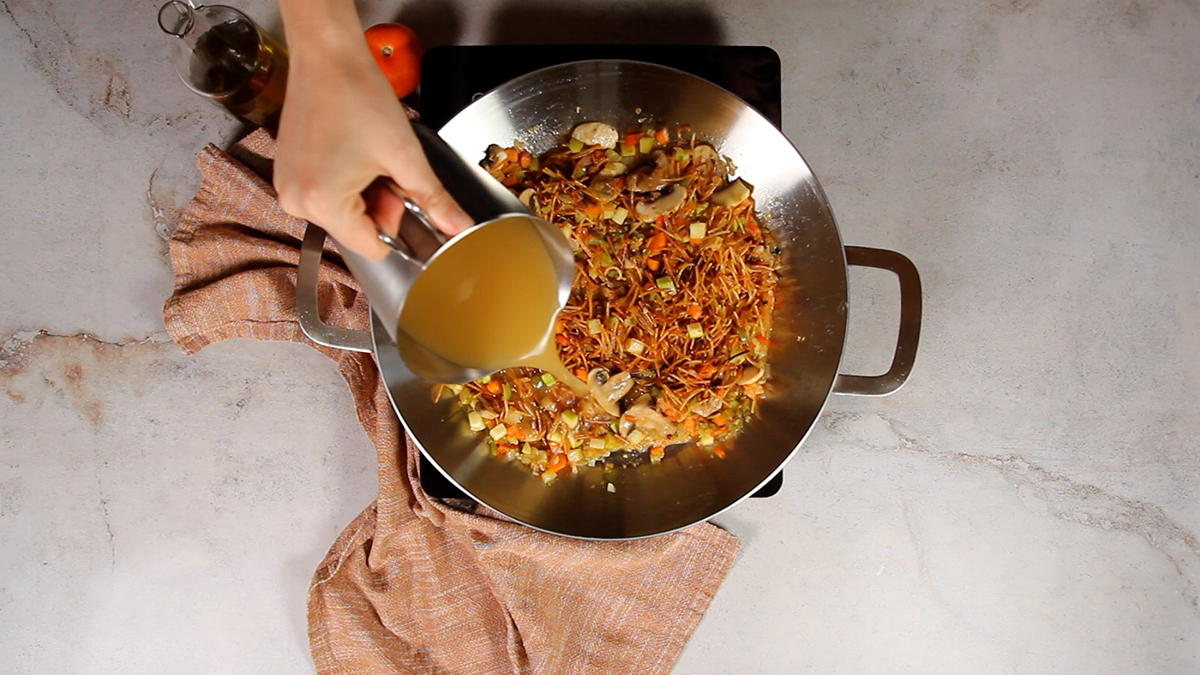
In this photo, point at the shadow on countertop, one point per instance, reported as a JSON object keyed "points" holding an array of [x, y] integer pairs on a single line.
{"points": [[548, 23]]}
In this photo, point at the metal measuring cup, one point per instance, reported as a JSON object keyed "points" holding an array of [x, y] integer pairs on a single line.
{"points": [[388, 281]]}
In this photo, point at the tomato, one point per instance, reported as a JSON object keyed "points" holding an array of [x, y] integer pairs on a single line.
{"points": [[398, 52]]}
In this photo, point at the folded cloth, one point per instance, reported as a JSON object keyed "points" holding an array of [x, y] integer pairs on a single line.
{"points": [[415, 585]]}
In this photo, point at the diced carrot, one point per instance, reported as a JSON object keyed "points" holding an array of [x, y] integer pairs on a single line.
{"points": [[559, 327], [632, 139], [525, 159], [558, 463], [510, 181], [707, 370], [562, 339], [753, 390], [720, 420], [658, 241], [593, 210], [689, 425], [662, 136], [653, 264], [513, 154], [753, 227], [581, 373], [657, 452], [719, 451], [694, 311]]}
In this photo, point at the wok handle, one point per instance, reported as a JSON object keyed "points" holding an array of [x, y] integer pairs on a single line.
{"points": [[308, 304], [910, 324]]}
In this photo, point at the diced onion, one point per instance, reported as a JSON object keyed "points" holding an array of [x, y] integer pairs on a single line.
{"points": [[499, 431], [635, 346], [696, 231], [695, 331], [475, 421]]}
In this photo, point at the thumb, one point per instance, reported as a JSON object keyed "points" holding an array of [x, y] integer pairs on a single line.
{"points": [[417, 179]]}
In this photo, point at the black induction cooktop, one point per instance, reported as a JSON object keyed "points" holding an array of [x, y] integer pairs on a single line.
{"points": [[454, 76]]}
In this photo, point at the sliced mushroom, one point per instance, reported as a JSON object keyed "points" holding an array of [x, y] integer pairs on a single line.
{"points": [[526, 198], [731, 195], [650, 178], [609, 394], [603, 190], [611, 170], [645, 417], [495, 155], [707, 407], [750, 374], [596, 133], [647, 211]]}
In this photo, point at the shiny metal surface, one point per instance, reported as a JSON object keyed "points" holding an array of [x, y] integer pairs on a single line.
{"points": [[690, 485], [387, 282], [910, 324]]}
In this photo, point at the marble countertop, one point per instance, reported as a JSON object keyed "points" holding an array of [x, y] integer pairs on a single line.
{"points": [[1028, 503]]}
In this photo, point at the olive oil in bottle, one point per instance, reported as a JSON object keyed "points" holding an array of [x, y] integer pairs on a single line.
{"points": [[224, 56]]}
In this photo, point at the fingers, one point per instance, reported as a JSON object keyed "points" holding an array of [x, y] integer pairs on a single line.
{"points": [[411, 171], [360, 235]]}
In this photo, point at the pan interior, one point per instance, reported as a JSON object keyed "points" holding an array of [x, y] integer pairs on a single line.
{"points": [[690, 484]]}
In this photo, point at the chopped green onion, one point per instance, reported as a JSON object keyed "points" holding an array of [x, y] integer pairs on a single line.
{"points": [[620, 215], [613, 322], [606, 259], [507, 391], [682, 154], [594, 326], [701, 207], [499, 431], [576, 145], [570, 418], [666, 283], [475, 421], [695, 331], [697, 231], [548, 379], [635, 346]]}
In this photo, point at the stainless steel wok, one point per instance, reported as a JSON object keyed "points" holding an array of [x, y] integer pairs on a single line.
{"points": [[690, 485]]}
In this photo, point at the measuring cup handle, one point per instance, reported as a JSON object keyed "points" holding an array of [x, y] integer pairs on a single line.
{"points": [[398, 243]]}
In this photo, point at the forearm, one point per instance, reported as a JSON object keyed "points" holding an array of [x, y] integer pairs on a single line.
{"points": [[318, 26]]}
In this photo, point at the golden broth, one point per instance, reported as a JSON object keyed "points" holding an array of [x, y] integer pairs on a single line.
{"points": [[489, 301]]}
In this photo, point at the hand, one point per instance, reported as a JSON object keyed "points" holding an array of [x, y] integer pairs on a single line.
{"points": [[342, 128]]}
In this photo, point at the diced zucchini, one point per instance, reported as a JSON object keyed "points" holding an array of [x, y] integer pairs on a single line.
{"points": [[695, 331], [646, 144], [475, 420], [696, 231], [499, 431], [636, 437], [570, 418], [548, 379], [666, 283], [627, 150], [635, 346], [620, 215], [594, 326], [576, 145]]}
